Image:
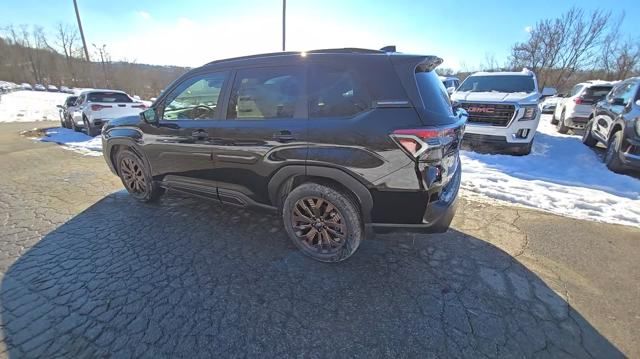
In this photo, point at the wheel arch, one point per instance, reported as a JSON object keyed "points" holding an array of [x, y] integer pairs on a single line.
{"points": [[617, 126], [289, 177], [114, 145]]}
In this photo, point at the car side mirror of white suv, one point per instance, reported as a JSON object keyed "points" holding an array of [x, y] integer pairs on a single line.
{"points": [[548, 91]]}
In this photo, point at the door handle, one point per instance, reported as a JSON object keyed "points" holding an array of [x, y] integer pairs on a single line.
{"points": [[199, 134], [283, 136]]}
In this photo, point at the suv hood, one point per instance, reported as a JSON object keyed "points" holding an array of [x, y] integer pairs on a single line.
{"points": [[495, 97]]}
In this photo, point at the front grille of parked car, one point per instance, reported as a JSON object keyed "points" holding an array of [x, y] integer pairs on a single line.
{"points": [[489, 113]]}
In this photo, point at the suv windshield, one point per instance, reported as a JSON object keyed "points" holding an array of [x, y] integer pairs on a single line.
{"points": [[498, 83]]}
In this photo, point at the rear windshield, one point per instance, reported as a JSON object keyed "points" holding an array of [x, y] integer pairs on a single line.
{"points": [[108, 97], [498, 83], [434, 95], [598, 92]]}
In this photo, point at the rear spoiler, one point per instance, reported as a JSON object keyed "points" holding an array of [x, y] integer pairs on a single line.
{"points": [[406, 68]]}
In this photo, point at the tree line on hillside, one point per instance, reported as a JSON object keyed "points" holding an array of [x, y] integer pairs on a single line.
{"points": [[576, 46], [30, 54]]}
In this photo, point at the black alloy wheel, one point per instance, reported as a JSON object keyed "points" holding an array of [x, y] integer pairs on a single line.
{"points": [[319, 225]]}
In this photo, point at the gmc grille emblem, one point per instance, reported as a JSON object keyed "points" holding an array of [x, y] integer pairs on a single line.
{"points": [[481, 109]]}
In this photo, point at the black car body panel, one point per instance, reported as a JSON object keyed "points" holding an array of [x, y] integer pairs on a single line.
{"points": [[620, 111], [346, 139]]}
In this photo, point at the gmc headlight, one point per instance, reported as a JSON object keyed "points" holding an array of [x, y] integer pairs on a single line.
{"points": [[530, 113]]}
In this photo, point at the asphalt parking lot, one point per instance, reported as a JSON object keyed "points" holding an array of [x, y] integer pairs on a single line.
{"points": [[86, 271]]}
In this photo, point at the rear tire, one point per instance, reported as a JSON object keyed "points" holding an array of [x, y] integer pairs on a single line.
{"points": [[612, 157], [136, 177], [554, 121], [587, 136], [91, 130], [323, 222], [560, 125]]}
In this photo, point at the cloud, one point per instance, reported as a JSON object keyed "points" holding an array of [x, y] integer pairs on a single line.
{"points": [[528, 29], [145, 15]]}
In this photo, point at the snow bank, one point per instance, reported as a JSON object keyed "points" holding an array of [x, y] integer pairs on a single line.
{"points": [[29, 106], [76, 141], [561, 175]]}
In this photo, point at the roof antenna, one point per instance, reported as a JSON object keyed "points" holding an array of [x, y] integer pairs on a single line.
{"points": [[390, 48]]}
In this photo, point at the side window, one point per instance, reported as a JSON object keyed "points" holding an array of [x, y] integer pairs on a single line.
{"points": [[576, 89], [628, 92], [264, 93], [196, 98], [336, 92], [80, 100]]}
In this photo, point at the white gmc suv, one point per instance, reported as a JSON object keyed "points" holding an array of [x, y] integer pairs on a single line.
{"points": [[503, 109]]}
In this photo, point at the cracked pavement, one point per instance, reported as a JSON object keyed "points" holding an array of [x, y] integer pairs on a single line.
{"points": [[87, 271]]}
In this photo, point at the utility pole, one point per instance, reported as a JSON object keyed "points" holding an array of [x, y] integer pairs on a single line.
{"points": [[284, 23], [84, 43]]}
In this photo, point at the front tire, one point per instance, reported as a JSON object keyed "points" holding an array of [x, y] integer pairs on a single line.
{"points": [[323, 222], [136, 177], [587, 136], [612, 157], [561, 126]]}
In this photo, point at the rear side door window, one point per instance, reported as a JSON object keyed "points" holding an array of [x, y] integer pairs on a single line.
{"points": [[336, 92], [267, 93]]}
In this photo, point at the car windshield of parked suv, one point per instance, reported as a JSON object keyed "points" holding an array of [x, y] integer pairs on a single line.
{"points": [[499, 83], [108, 97]]}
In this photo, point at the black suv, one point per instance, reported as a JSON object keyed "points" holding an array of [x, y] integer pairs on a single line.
{"points": [[615, 122], [342, 142]]}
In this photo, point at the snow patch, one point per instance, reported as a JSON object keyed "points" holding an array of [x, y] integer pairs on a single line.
{"points": [[76, 141], [561, 175], [30, 106]]}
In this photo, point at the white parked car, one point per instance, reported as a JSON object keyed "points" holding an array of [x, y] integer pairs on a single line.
{"points": [[573, 111], [94, 108], [503, 109], [26, 86], [52, 88]]}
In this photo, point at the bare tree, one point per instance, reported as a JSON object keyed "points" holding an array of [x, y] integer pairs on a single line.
{"points": [[558, 48]]}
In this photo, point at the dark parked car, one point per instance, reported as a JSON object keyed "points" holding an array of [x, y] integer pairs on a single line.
{"points": [[615, 122], [341, 142], [65, 112]]}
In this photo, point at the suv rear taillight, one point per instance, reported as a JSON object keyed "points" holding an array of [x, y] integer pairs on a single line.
{"points": [[99, 107], [578, 100], [418, 142]]}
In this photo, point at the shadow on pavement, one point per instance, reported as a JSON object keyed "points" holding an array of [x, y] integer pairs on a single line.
{"points": [[191, 278]]}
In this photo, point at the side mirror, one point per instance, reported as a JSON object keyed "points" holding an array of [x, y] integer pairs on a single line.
{"points": [[450, 90], [149, 116], [617, 101], [59, 106], [548, 91]]}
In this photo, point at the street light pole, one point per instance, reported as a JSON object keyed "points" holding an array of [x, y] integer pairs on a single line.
{"points": [[84, 43], [284, 23]]}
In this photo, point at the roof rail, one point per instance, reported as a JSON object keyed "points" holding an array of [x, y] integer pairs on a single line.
{"points": [[346, 50], [270, 54]]}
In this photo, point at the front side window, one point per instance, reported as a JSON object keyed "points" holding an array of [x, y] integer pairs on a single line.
{"points": [[336, 92], [196, 98], [71, 101], [264, 93], [498, 83]]}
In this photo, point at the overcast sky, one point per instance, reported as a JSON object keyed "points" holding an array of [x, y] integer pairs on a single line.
{"points": [[190, 33]]}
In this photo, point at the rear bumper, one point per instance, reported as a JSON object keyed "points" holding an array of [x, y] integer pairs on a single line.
{"points": [[576, 122], [438, 214]]}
